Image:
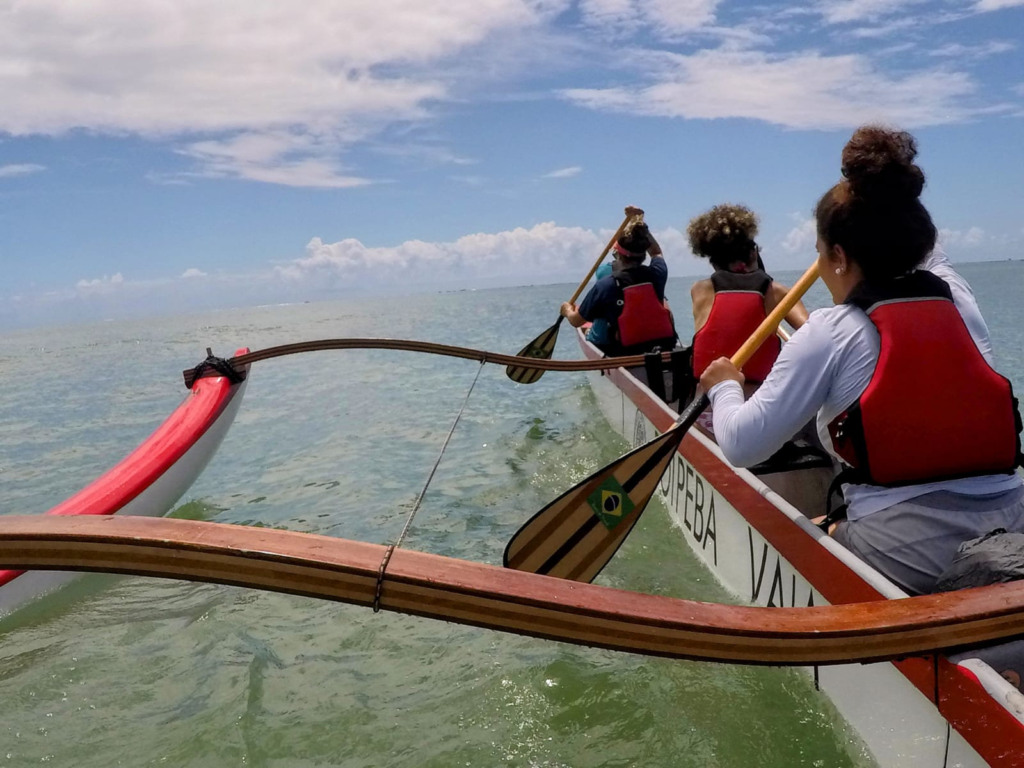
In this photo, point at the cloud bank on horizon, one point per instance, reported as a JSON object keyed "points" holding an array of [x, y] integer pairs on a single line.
{"points": [[533, 120]]}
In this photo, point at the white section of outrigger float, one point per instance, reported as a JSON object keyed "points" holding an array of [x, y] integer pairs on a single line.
{"points": [[149, 480]]}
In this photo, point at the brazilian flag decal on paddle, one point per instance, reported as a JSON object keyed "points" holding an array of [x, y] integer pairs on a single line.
{"points": [[610, 502]]}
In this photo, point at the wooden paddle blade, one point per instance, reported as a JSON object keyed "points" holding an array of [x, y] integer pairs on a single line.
{"points": [[539, 349], [577, 534]]}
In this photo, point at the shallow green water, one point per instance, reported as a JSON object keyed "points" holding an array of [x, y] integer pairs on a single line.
{"points": [[140, 672]]}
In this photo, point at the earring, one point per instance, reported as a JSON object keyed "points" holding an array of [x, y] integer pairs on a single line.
{"points": [[840, 270]]}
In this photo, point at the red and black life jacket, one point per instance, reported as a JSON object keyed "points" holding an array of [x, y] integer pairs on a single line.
{"points": [[736, 312], [644, 322], [934, 408]]}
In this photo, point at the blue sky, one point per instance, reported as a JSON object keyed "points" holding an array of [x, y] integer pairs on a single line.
{"points": [[158, 156]]}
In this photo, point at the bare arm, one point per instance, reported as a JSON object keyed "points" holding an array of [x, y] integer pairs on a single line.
{"points": [[570, 313], [653, 249], [797, 315], [702, 296]]}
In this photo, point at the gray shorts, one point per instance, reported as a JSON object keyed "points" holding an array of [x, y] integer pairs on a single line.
{"points": [[913, 542]]}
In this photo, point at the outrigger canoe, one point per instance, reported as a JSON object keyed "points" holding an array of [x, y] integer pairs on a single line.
{"points": [[149, 480], [810, 603], [752, 530]]}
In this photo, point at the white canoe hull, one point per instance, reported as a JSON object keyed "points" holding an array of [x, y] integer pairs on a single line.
{"points": [[766, 552]]}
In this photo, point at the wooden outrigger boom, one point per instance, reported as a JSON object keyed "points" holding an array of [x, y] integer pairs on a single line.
{"points": [[511, 601]]}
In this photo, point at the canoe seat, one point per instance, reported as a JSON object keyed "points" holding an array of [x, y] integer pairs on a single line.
{"points": [[793, 455]]}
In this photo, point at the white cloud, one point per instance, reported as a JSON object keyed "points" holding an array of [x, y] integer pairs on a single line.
{"points": [[100, 285], [610, 13], [960, 51], [278, 94], [675, 16], [889, 28], [563, 173], [193, 272], [519, 253], [997, 5], [665, 18], [22, 169], [293, 160], [953, 238], [311, 78], [804, 90], [802, 237], [512, 257], [842, 11]]}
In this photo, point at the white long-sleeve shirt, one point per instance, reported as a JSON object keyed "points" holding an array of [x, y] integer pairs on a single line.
{"points": [[821, 371]]}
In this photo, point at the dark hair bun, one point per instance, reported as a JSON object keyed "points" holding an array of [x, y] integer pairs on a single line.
{"points": [[878, 164], [875, 213], [636, 238]]}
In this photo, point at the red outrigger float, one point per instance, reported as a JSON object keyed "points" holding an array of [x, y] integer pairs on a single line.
{"points": [[149, 480]]}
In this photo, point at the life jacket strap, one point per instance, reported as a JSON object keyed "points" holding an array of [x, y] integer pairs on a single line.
{"points": [[655, 373]]}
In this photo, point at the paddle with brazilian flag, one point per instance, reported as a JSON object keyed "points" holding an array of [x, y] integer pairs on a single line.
{"points": [[577, 534], [542, 346]]}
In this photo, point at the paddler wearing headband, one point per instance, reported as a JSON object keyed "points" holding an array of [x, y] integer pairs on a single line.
{"points": [[631, 300]]}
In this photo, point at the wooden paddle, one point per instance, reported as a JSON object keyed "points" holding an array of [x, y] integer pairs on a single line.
{"points": [[577, 534], [542, 346]]}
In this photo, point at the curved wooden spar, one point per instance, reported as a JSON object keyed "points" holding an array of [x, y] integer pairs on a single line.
{"points": [[512, 601], [239, 362]]}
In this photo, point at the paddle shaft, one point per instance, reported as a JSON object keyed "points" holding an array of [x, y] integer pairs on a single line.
{"points": [[771, 323], [768, 326], [569, 538], [542, 347]]}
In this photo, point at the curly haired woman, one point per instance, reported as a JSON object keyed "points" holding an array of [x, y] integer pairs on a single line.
{"points": [[729, 305]]}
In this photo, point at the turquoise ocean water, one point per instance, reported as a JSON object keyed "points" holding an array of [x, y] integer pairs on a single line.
{"points": [[118, 671]]}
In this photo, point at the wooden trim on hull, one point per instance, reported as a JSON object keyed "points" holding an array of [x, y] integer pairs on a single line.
{"points": [[512, 601]]}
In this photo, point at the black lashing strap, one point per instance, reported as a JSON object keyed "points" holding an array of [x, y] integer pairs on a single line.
{"points": [[215, 366], [655, 373], [684, 384], [835, 489]]}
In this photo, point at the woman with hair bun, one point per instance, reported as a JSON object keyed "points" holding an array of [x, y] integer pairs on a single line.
{"points": [[627, 306], [729, 305], [897, 375]]}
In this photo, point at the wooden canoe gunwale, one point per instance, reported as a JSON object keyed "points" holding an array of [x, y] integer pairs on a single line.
{"points": [[523, 603]]}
